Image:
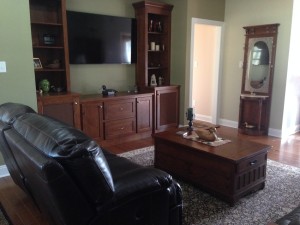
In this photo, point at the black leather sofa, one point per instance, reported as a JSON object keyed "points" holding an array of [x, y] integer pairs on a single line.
{"points": [[75, 182], [292, 218]]}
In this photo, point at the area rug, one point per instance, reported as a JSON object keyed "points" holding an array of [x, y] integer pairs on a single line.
{"points": [[4, 219], [280, 195]]}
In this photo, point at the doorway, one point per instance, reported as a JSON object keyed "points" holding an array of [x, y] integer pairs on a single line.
{"points": [[206, 68]]}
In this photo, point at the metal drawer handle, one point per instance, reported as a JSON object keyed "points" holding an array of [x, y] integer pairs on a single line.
{"points": [[253, 162], [122, 128]]}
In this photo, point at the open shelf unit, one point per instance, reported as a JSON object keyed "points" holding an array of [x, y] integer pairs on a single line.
{"points": [[153, 60], [154, 42], [50, 48], [49, 42]]}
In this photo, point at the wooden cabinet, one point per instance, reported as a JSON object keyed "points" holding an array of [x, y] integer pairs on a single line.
{"points": [[254, 115], [49, 42], [92, 119], [119, 117], [166, 107], [153, 41], [114, 119], [64, 107], [144, 115]]}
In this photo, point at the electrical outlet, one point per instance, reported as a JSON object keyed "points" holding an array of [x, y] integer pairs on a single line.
{"points": [[2, 67]]}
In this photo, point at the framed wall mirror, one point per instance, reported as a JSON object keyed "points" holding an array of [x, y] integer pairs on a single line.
{"points": [[259, 59], [257, 82]]}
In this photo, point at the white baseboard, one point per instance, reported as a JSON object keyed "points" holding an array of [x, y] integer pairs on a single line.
{"points": [[234, 124], [203, 118], [275, 133], [3, 171], [228, 123]]}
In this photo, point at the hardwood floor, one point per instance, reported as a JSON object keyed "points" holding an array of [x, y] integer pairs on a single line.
{"points": [[22, 211]]}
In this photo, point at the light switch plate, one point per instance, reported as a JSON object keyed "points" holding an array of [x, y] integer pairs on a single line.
{"points": [[2, 67]]}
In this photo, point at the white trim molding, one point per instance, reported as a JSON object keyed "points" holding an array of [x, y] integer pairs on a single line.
{"points": [[3, 171]]}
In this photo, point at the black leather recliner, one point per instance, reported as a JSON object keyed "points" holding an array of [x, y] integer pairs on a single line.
{"points": [[75, 182]]}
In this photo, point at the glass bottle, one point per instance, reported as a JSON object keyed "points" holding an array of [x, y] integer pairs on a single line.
{"points": [[159, 27], [150, 26]]}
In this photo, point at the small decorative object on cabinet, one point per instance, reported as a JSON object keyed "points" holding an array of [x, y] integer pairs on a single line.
{"points": [[190, 117], [44, 86], [37, 63], [258, 71]]}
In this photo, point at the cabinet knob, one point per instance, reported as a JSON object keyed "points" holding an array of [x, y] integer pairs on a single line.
{"points": [[121, 108], [100, 106], [75, 103], [253, 163]]}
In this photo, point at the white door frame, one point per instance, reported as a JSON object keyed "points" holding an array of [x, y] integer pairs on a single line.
{"points": [[218, 64]]}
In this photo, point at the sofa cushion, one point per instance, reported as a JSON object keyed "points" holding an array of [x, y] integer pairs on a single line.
{"points": [[10, 111], [73, 149]]}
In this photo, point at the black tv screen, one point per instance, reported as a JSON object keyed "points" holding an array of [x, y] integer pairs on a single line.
{"points": [[101, 39]]}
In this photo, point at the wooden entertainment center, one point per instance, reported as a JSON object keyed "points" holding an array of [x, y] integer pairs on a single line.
{"points": [[125, 116]]}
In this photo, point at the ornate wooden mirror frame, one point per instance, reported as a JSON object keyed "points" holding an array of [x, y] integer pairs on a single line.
{"points": [[259, 59]]}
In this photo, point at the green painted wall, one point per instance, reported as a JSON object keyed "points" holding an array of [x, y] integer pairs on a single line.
{"points": [[17, 84]]}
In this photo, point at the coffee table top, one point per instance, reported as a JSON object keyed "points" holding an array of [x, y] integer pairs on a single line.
{"points": [[235, 150]]}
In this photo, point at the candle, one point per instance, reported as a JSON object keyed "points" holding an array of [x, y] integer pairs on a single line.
{"points": [[190, 114]]}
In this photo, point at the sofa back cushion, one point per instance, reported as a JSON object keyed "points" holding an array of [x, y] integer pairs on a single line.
{"points": [[81, 157], [10, 111]]}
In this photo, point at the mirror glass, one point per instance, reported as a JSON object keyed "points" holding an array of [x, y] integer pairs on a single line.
{"points": [[258, 64]]}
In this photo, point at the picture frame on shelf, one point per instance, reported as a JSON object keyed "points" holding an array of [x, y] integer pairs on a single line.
{"points": [[37, 63]]}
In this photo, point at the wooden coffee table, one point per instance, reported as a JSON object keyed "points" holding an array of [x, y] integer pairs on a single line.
{"points": [[229, 171]]}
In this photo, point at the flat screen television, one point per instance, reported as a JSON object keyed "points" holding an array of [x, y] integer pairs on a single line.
{"points": [[101, 39]]}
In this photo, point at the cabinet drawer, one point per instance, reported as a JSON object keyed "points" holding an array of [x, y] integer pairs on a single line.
{"points": [[119, 109], [117, 128], [253, 162]]}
